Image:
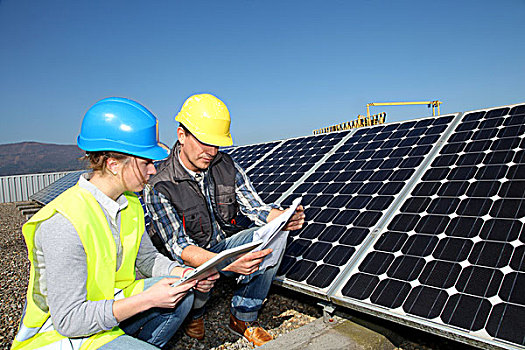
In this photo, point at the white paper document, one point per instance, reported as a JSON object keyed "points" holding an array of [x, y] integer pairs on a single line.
{"points": [[272, 236]]}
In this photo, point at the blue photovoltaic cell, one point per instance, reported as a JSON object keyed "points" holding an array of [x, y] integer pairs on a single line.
{"points": [[347, 195], [455, 252]]}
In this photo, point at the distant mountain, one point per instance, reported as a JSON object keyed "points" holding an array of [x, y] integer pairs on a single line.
{"points": [[35, 157]]}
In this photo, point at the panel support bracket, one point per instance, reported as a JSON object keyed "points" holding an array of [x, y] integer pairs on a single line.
{"points": [[328, 312]]}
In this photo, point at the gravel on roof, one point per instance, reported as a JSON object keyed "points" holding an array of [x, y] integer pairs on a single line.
{"points": [[14, 273]]}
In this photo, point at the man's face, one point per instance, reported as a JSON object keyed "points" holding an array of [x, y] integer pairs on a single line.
{"points": [[195, 155]]}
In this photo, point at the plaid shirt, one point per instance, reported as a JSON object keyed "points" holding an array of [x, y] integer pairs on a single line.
{"points": [[162, 214]]}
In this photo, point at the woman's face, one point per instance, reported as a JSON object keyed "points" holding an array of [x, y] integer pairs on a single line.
{"points": [[136, 173]]}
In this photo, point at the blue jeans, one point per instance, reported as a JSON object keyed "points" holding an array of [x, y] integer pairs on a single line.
{"points": [[248, 298], [152, 328]]}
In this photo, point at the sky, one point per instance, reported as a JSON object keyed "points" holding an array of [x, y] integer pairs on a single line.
{"points": [[283, 68]]}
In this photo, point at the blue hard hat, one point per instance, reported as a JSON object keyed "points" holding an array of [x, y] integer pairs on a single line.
{"points": [[121, 125]]}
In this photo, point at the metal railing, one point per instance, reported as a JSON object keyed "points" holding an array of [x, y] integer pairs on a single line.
{"points": [[18, 188]]}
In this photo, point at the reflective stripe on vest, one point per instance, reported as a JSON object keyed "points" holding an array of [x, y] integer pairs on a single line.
{"points": [[80, 208]]}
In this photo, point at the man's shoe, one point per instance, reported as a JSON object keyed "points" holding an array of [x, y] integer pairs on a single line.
{"points": [[249, 330], [195, 328]]}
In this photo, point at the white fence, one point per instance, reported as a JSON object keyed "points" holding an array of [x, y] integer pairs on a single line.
{"points": [[17, 188]]}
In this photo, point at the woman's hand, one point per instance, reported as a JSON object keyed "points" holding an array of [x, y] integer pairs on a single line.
{"points": [[163, 295]]}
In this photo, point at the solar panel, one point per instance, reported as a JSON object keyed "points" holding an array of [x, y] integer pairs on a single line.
{"points": [[348, 194], [452, 256], [52, 191]]}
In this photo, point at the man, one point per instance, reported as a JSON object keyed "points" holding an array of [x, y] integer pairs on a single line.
{"points": [[197, 193]]}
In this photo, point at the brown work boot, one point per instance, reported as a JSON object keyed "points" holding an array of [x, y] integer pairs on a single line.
{"points": [[195, 328], [250, 330]]}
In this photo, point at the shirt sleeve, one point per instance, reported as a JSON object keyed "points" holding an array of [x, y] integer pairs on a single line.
{"points": [[250, 202], [150, 262], [72, 314], [166, 223]]}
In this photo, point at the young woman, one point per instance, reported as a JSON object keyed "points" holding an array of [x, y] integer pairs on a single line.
{"points": [[85, 245]]}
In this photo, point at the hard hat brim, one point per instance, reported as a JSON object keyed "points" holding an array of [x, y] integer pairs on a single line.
{"points": [[155, 153], [214, 140]]}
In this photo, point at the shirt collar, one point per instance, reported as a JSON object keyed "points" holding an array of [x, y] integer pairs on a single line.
{"points": [[109, 205], [197, 176]]}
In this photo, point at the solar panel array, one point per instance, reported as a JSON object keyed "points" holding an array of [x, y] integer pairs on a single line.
{"points": [[420, 222]]}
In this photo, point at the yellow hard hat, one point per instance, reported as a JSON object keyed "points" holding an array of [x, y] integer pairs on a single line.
{"points": [[207, 118]]}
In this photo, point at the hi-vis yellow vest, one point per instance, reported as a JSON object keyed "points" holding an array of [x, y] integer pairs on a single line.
{"points": [[83, 211]]}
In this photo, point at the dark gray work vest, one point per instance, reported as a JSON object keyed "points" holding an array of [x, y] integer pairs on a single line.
{"points": [[184, 193]]}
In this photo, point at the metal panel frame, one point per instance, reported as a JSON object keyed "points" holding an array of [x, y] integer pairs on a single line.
{"points": [[447, 331]]}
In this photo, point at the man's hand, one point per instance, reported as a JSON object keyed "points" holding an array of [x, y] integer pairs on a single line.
{"points": [[296, 221], [248, 263], [205, 285]]}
